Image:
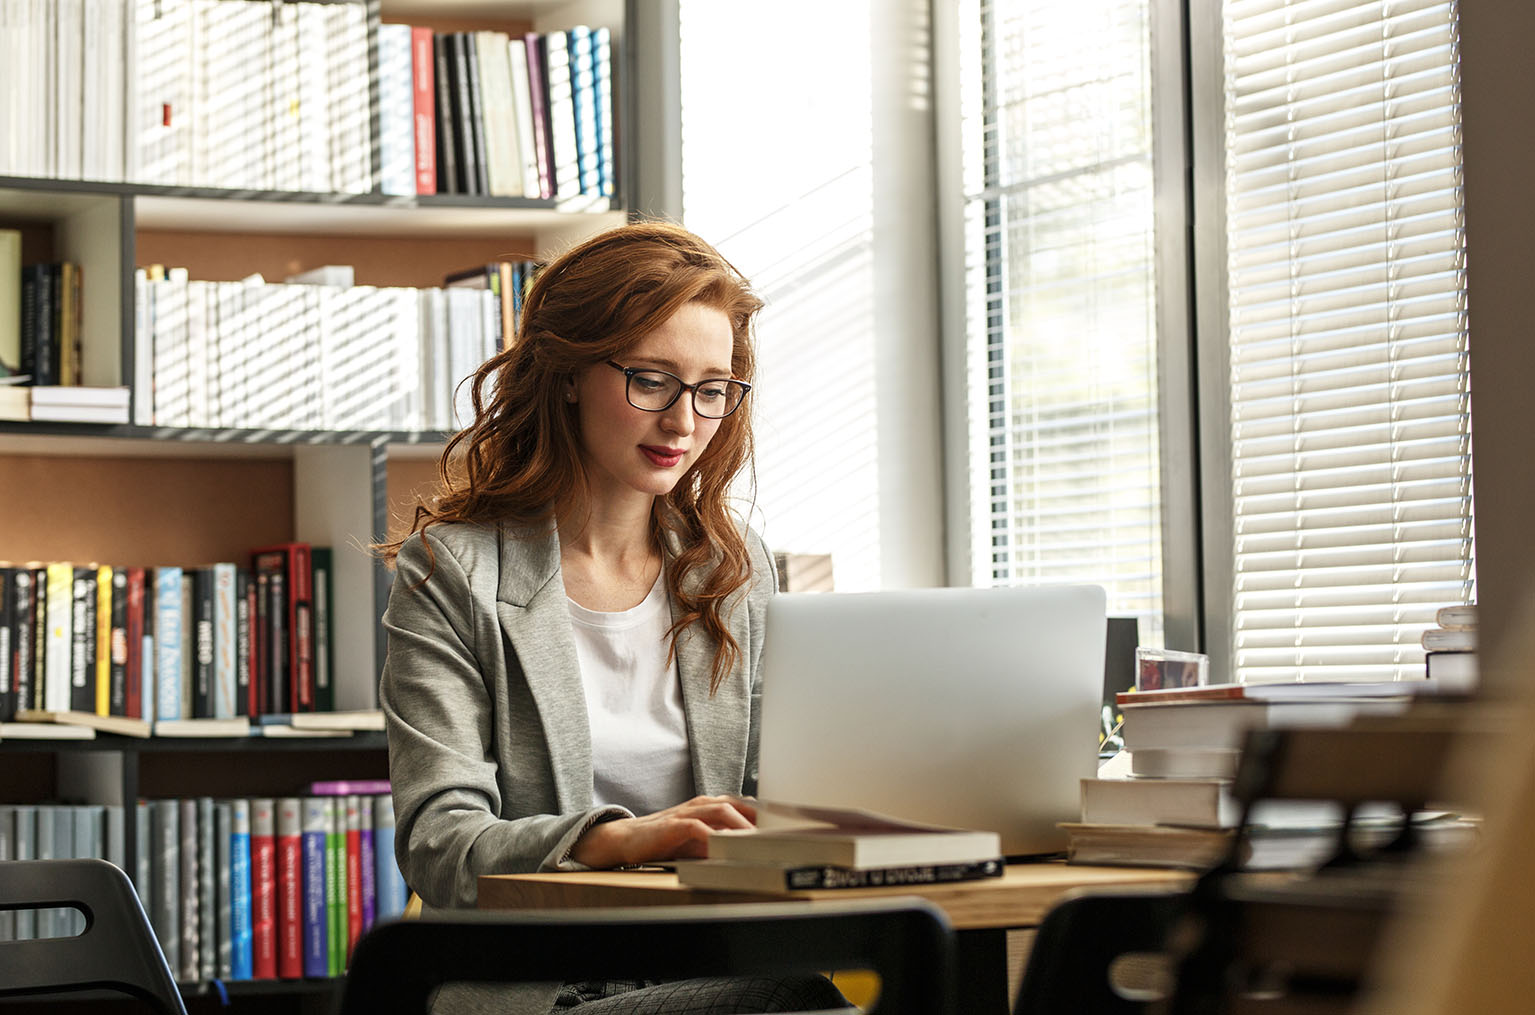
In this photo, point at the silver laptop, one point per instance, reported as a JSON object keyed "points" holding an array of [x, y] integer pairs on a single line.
{"points": [[974, 708]]}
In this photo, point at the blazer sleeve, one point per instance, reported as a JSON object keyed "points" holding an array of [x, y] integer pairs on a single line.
{"points": [[444, 657], [764, 586]]}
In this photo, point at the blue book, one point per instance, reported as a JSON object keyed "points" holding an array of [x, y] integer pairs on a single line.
{"points": [[602, 68], [168, 643], [316, 916], [389, 883], [240, 889], [583, 88]]}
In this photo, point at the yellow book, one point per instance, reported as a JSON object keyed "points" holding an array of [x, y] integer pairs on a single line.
{"points": [[69, 324], [103, 640]]}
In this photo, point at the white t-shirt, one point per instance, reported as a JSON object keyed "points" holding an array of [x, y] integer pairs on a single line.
{"points": [[640, 756]]}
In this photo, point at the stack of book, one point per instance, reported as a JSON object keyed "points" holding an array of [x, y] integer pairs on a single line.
{"points": [[803, 848], [1165, 800], [1450, 648]]}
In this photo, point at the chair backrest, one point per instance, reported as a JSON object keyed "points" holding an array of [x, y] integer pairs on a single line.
{"points": [[1101, 952], [398, 964], [117, 950], [1310, 941]]}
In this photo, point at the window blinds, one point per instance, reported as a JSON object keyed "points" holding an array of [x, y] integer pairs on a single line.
{"points": [[1350, 406], [1061, 298]]}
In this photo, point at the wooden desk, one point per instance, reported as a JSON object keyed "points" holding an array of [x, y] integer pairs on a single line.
{"points": [[982, 912], [1019, 898]]}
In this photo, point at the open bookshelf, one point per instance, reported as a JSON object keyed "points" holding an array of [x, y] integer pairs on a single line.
{"points": [[148, 494]]}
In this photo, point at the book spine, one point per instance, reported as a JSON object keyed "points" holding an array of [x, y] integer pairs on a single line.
{"points": [[188, 645], [345, 787], [7, 652], [167, 880], [24, 602], [290, 951], [40, 636], [82, 640], [187, 972], [353, 834], [147, 656], [58, 640], [391, 883], [207, 892], [447, 125], [320, 559], [602, 65], [316, 948], [240, 889], [118, 642], [335, 887], [469, 63], [202, 641], [263, 890], [301, 627], [167, 643], [256, 605], [368, 862], [223, 845], [538, 97], [423, 92], [225, 687], [103, 629], [242, 642]]}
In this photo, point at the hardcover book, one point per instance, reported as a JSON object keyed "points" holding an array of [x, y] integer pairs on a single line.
{"points": [[807, 836], [290, 948], [263, 889], [423, 90], [240, 889], [315, 923], [745, 876]]}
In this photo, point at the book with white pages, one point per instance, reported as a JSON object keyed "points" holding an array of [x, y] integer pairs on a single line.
{"points": [[845, 837]]}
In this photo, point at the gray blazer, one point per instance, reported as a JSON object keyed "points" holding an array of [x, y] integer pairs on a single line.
{"points": [[490, 752]]}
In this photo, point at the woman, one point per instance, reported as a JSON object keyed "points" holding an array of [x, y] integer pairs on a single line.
{"points": [[574, 629]]}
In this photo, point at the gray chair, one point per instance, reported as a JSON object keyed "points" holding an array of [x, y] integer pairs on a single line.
{"points": [[117, 950], [908, 943]]}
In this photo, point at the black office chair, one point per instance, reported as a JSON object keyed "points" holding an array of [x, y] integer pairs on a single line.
{"points": [[116, 951], [908, 943]]}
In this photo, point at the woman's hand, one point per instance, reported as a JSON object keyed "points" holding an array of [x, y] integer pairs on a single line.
{"points": [[679, 831]]}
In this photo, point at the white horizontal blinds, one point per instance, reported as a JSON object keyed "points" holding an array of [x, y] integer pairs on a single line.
{"points": [[1350, 409], [1062, 299]]}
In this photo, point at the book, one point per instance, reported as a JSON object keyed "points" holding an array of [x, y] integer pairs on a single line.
{"points": [[168, 643], [244, 643], [191, 929], [120, 724], [207, 891], [223, 847], [445, 115], [522, 112], [240, 889], [1442, 639], [291, 624], [538, 104], [102, 656], [113, 652], [602, 65], [396, 110], [29, 730], [7, 653], [202, 642], [1452, 671], [1184, 762], [836, 837], [290, 950], [236, 726], [561, 115], [1274, 692], [743, 876], [321, 563], [1224, 723], [583, 87], [423, 90], [1460, 617], [352, 833], [82, 639], [140, 646], [224, 641], [165, 872], [315, 926], [263, 889], [475, 158], [392, 893], [58, 640], [23, 641], [349, 787], [367, 863], [1196, 803], [10, 303], [335, 886]]}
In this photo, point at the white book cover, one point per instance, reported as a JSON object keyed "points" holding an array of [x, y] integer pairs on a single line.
{"points": [[504, 169], [522, 110], [437, 379], [396, 111], [143, 349], [201, 354], [466, 350], [69, 70], [14, 16], [261, 324], [405, 330], [562, 115], [163, 116], [300, 307], [350, 129], [282, 88], [316, 173], [94, 97], [125, 110], [230, 143], [353, 376], [172, 375], [226, 309]]}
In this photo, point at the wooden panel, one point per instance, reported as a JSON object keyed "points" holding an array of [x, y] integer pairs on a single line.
{"points": [[142, 512], [414, 261], [409, 482]]}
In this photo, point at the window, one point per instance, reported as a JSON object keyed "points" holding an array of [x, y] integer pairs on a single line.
{"points": [[1060, 293], [1349, 414]]}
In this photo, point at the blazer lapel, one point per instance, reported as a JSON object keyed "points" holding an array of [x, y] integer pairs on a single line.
{"points": [[535, 617]]}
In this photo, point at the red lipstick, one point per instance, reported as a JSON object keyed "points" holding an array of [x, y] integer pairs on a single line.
{"points": [[662, 457]]}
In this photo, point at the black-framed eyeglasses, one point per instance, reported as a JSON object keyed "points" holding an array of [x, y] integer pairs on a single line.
{"points": [[656, 391]]}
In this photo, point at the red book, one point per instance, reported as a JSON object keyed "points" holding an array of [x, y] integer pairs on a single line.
{"points": [[133, 679], [263, 891], [423, 77], [257, 690], [290, 624], [353, 873], [290, 906]]}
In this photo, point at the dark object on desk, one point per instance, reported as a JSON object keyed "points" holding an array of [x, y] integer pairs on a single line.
{"points": [[117, 949], [907, 942]]}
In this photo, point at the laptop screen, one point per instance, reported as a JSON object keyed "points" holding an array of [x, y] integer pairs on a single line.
{"points": [[973, 708]]}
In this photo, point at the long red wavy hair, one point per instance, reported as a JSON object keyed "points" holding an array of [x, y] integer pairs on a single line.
{"points": [[520, 461]]}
